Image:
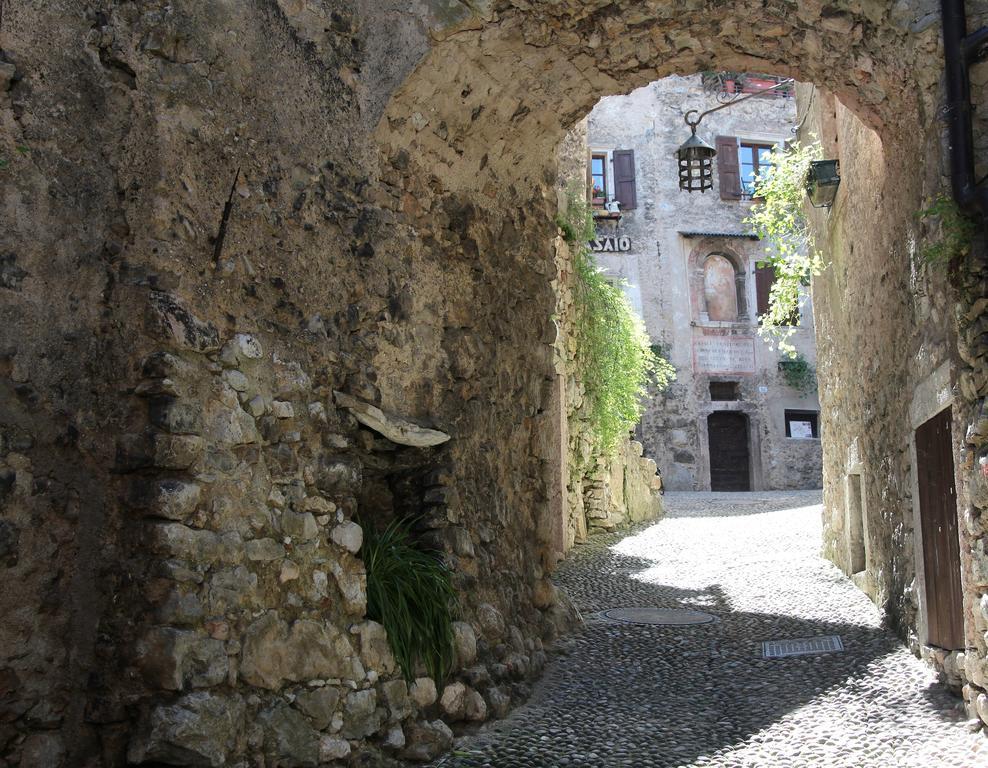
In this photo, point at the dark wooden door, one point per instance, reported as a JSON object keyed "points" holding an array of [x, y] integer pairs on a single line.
{"points": [[727, 433], [938, 516]]}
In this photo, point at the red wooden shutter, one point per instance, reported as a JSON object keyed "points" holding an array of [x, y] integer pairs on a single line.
{"points": [[624, 178], [764, 277], [728, 167]]}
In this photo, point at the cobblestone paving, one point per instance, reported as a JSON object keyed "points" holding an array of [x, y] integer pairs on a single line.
{"points": [[648, 696]]}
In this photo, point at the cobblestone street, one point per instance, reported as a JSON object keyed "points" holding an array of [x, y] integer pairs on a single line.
{"points": [[626, 694]]}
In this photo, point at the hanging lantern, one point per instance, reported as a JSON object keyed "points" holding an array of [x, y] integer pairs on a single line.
{"points": [[822, 181], [696, 169], [696, 157]]}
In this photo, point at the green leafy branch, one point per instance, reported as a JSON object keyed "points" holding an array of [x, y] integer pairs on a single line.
{"points": [[779, 219], [798, 374], [614, 357]]}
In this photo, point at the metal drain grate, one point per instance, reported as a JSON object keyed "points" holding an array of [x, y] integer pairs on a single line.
{"points": [[780, 649], [673, 617]]}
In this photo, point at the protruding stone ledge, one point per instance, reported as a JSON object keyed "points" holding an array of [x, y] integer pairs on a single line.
{"points": [[395, 429]]}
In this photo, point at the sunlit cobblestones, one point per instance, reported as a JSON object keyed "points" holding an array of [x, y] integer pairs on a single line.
{"points": [[650, 696]]}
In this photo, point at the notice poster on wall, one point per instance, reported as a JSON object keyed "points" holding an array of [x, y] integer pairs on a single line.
{"points": [[803, 429], [724, 354]]}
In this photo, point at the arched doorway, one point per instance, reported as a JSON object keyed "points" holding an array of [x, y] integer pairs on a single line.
{"points": [[480, 127]]}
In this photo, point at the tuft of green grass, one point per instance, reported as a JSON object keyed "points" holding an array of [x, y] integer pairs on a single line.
{"points": [[409, 591], [956, 232], [798, 374]]}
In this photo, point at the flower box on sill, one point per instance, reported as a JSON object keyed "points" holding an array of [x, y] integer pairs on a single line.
{"points": [[602, 214]]}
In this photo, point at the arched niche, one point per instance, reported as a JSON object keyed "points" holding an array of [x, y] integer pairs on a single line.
{"points": [[720, 290], [718, 283]]}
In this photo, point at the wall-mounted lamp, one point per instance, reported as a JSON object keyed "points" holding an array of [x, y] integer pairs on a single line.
{"points": [[696, 170], [822, 181]]}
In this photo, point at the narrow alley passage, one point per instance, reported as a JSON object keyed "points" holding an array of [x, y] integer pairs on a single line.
{"points": [[628, 694]]}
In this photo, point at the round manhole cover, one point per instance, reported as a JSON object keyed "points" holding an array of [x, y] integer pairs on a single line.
{"points": [[673, 617]]}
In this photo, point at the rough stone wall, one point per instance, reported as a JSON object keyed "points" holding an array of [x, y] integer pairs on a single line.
{"points": [[603, 492], [878, 288], [180, 175], [199, 248], [862, 395], [664, 272], [623, 490]]}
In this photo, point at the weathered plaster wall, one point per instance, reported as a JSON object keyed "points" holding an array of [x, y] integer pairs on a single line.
{"points": [[664, 271], [180, 174]]}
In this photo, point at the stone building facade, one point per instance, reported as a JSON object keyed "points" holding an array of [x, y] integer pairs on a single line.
{"points": [[729, 421], [217, 215]]}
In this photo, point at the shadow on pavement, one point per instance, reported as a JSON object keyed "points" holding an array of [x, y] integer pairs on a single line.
{"points": [[644, 696]]}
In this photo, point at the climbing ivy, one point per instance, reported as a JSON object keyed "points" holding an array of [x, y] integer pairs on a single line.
{"points": [[614, 359], [956, 232], [779, 219], [798, 374]]}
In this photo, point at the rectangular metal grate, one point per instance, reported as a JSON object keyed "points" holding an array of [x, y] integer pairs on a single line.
{"points": [[779, 649]]}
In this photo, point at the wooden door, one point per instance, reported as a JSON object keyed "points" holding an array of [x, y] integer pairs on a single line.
{"points": [[730, 462], [938, 516]]}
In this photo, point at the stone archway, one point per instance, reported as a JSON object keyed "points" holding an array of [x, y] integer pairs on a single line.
{"points": [[469, 139], [482, 113], [287, 199]]}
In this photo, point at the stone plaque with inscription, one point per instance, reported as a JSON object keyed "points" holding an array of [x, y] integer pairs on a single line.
{"points": [[724, 354]]}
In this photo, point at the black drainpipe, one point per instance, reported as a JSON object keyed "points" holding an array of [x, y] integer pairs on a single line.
{"points": [[960, 50]]}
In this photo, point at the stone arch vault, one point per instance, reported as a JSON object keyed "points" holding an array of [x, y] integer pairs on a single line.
{"points": [[216, 214]]}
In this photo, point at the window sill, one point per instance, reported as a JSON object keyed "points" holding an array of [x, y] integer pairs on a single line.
{"points": [[600, 213], [739, 324]]}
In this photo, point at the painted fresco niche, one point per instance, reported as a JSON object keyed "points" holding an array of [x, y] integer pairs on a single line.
{"points": [[720, 294], [717, 283]]}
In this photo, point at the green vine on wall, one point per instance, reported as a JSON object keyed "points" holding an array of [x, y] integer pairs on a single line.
{"points": [[614, 359], [779, 219], [956, 232], [798, 374]]}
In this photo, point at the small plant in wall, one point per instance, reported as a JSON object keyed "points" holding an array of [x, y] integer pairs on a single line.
{"points": [[956, 231], [409, 592], [614, 357], [798, 374], [779, 219]]}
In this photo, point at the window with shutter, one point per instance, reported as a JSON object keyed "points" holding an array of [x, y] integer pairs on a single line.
{"points": [[764, 277], [598, 178], [728, 167], [755, 159], [624, 178]]}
